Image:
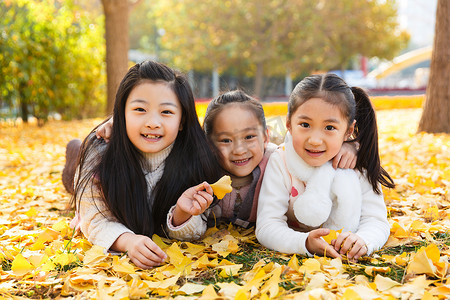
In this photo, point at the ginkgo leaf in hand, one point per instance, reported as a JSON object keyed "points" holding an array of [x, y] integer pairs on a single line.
{"points": [[332, 235], [222, 186]]}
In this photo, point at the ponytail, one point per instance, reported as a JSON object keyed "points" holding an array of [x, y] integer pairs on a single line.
{"points": [[366, 134]]}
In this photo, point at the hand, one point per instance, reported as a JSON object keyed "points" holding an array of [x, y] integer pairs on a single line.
{"points": [[350, 241], [141, 250], [194, 201], [76, 222], [316, 245], [346, 157], [104, 131]]}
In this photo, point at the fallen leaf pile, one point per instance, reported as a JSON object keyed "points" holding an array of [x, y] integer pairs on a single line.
{"points": [[41, 257]]}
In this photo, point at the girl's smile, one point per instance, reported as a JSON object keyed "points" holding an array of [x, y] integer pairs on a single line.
{"points": [[318, 130], [240, 139], [153, 116]]}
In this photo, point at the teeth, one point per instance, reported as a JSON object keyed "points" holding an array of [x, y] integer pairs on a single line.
{"points": [[150, 136], [241, 161]]}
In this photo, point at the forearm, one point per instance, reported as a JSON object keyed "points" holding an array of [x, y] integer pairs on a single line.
{"points": [[122, 242], [192, 229], [272, 230], [179, 216], [374, 227]]}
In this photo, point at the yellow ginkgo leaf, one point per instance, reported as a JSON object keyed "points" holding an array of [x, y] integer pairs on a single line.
{"points": [[20, 265], [332, 235], [222, 186]]}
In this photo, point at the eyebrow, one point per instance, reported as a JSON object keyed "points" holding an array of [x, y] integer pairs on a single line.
{"points": [[331, 120], [145, 102], [242, 130]]}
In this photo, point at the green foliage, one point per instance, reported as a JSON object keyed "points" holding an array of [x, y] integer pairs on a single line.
{"points": [[51, 59], [274, 35]]}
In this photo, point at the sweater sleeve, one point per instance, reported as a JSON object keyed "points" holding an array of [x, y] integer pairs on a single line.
{"points": [[272, 229], [192, 229], [96, 221], [374, 227]]}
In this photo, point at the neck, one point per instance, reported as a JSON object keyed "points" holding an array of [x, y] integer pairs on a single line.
{"points": [[237, 182], [154, 160]]}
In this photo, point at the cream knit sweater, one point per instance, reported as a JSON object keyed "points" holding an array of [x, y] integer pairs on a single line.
{"points": [[96, 222]]}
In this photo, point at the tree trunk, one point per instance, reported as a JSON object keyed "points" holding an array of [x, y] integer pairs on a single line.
{"points": [[436, 110], [117, 44], [23, 103], [259, 79]]}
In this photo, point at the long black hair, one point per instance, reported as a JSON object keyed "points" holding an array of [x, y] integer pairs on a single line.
{"points": [[118, 172], [354, 104]]}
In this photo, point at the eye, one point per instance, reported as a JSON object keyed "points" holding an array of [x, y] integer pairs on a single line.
{"points": [[304, 125], [167, 112], [225, 141], [250, 136], [139, 109], [329, 127]]}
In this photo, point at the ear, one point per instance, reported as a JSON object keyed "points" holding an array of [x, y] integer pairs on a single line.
{"points": [[266, 138], [288, 125], [350, 130]]}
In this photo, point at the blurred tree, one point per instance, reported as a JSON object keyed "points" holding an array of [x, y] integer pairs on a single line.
{"points": [[436, 111], [358, 27], [50, 59], [275, 37], [117, 44]]}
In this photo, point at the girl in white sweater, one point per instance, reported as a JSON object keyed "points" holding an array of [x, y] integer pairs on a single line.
{"points": [[157, 154], [301, 192]]}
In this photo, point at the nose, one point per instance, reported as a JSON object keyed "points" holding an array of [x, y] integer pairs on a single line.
{"points": [[315, 139], [239, 147], [153, 121]]}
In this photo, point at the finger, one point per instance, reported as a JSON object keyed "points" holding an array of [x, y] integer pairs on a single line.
{"points": [[331, 252], [208, 188], [316, 233], [200, 187], [108, 132], [344, 163], [336, 161], [143, 262], [358, 246], [353, 163], [361, 252], [155, 249], [207, 198], [339, 240], [348, 244]]}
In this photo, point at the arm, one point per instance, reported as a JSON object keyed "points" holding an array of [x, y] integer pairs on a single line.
{"points": [[101, 228], [272, 230], [185, 220], [373, 230], [374, 227]]}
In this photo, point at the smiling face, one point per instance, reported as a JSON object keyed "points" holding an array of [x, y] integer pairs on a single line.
{"points": [[318, 130], [240, 138], [153, 116]]}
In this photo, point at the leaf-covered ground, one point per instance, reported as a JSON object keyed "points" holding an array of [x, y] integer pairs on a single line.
{"points": [[41, 257]]}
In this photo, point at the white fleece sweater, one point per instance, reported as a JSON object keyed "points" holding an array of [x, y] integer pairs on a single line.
{"points": [[272, 229]]}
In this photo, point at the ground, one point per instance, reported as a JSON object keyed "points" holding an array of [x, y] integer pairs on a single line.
{"points": [[43, 258]]}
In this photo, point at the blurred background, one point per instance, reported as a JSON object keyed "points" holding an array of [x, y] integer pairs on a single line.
{"points": [[57, 58]]}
